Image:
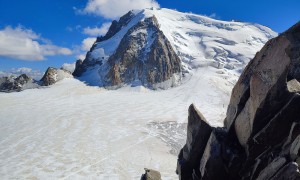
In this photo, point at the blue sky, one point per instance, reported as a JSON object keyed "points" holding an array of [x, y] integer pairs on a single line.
{"points": [[37, 34]]}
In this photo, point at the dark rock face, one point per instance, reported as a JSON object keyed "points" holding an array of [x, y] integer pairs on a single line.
{"points": [[15, 84], [79, 68], [116, 26], [151, 175], [53, 75], [144, 55], [198, 133], [261, 138]]}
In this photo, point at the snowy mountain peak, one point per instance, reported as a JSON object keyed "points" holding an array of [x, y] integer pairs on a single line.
{"points": [[191, 40]]}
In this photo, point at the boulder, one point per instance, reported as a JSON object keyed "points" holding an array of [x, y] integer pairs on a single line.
{"points": [[151, 175]]}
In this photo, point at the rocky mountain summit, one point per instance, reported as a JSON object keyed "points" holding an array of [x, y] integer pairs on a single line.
{"points": [[23, 82], [16, 84], [144, 56], [154, 60], [261, 137], [91, 60], [156, 48], [53, 75]]}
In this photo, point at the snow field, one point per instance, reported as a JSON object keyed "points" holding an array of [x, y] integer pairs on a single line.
{"points": [[74, 131]]}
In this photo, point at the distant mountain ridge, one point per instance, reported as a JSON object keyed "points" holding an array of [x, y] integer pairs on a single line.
{"points": [[22, 82], [157, 47]]}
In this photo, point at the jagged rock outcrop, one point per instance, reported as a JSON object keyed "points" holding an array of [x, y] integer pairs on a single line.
{"points": [[16, 84], [79, 68], [144, 55], [90, 61], [151, 175], [261, 138], [198, 132], [53, 75]]}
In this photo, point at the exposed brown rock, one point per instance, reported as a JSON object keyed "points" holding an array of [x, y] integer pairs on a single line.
{"points": [[53, 75], [145, 57]]}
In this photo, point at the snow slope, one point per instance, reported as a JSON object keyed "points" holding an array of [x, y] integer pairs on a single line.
{"points": [[74, 131], [201, 40]]}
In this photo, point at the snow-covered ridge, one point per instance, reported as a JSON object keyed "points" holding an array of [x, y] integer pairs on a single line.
{"points": [[200, 40]]}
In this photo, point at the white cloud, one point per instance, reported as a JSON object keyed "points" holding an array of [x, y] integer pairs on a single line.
{"points": [[69, 67], [112, 9], [81, 56], [24, 44], [214, 16], [97, 31], [87, 43], [85, 46], [22, 70], [35, 74]]}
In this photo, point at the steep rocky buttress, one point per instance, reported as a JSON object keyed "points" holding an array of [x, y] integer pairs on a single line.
{"points": [[144, 55], [90, 60], [261, 137]]}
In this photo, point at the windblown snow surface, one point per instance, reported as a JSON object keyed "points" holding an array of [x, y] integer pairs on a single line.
{"points": [[74, 131]]}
